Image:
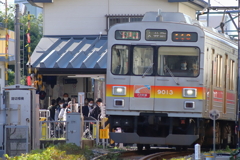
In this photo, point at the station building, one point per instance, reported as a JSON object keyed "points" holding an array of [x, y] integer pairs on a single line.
{"points": [[71, 56]]}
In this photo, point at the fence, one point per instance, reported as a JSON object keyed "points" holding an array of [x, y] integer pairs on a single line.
{"points": [[56, 130], [16, 140], [52, 130], [44, 114], [91, 130]]}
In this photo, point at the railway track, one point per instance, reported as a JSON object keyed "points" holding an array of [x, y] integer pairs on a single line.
{"points": [[165, 155], [153, 154]]}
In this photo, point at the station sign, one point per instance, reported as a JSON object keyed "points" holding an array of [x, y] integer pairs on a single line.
{"points": [[127, 35], [214, 114], [156, 35], [184, 36]]}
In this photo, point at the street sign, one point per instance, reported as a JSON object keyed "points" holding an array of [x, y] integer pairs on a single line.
{"points": [[214, 114]]}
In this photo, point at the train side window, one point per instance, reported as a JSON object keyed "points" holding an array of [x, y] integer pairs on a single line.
{"points": [[219, 71], [142, 60], [231, 75], [120, 57], [178, 61]]}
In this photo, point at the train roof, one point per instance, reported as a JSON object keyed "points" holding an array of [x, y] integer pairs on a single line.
{"points": [[167, 17], [177, 17]]}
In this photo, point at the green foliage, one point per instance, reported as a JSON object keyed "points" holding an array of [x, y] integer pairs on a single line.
{"points": [[23, 80], [36, 31], [234, 154], [11, 76], [58, 152], [111, 156], [228, 149]]}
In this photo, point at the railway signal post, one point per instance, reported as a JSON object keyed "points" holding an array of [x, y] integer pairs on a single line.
{"points": [[214, 115]]}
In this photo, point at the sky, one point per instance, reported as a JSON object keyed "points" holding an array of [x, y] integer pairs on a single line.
{"points": [[223, 2], [2, 6]]}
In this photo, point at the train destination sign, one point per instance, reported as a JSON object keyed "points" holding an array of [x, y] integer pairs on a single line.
{"points": [[127, 35], [156, 35], [184, 37]]}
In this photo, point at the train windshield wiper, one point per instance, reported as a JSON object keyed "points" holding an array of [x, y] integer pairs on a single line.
{"points": [[149, 67], [170, 72]]}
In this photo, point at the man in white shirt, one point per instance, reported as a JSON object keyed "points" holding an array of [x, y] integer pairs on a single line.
{"points": [[63, 113], [58, 109]]}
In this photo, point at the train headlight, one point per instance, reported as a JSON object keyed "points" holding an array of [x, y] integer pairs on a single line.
{"points": [[119, 90], [190, 92]]}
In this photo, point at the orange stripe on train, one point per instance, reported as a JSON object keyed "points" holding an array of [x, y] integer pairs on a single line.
{"points": [[147, 91]]}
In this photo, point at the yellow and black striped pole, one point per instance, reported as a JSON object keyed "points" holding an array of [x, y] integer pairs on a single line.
{"points": [[6, 44], [28, 43]]}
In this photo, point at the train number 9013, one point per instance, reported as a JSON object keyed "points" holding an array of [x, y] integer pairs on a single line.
{"points": [[169, 92]]}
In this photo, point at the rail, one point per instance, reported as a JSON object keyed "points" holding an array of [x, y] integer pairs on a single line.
{"points": [[165, 155]]}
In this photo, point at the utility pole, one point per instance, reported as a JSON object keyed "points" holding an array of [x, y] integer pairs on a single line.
{"points": [[238, 79], [6, 43], [17, 45]]}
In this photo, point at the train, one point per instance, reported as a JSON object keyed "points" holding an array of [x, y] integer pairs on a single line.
{"points": [[165, 76]]}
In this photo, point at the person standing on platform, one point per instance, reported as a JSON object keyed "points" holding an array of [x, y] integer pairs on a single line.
{"points": [[96, 111], [52, 109], [86, 110], [58, 109], [66, 98]]}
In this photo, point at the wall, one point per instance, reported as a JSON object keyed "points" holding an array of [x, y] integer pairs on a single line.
{"points": [[187, 10], [81, 17]]}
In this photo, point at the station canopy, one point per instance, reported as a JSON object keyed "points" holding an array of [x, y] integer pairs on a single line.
{"points": [[70, 55]]}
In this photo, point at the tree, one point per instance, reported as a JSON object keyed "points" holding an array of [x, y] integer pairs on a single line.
{"points": [[36, 32], [11, 78]]}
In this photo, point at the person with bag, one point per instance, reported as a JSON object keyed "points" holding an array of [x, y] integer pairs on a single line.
{"points": [[96, 111]]}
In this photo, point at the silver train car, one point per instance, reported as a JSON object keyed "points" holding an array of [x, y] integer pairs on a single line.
{"points": [[165, 75]]}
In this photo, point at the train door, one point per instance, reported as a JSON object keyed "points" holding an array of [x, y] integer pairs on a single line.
{"points": [[225, 84], [213, 72], [142, 80]]}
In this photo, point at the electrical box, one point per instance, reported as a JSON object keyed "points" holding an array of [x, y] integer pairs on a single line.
{"points": [[18, 107], [20, 112], [1, 138], [74, 128]]}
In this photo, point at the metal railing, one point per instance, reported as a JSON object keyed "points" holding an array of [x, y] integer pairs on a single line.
{"points": [[52, 129], [91, 130], [56, 130], [44, 113]]}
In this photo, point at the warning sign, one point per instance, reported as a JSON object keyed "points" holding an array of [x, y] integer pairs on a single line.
{"points": [[142, 91]]}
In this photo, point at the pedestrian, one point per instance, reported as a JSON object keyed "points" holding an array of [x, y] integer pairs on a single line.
{"points": [[66, 99], [63, 117], [86, 110], [96, 111], [69, 107], [63, 113], [58, 109], [86, 100], [52, 109]]}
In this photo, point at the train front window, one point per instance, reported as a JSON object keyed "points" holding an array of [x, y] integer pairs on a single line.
{"points": [[142, 60], [178, 61], [120, 59]]}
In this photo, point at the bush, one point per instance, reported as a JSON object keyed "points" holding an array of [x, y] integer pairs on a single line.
{"points": [[58, 152]]}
